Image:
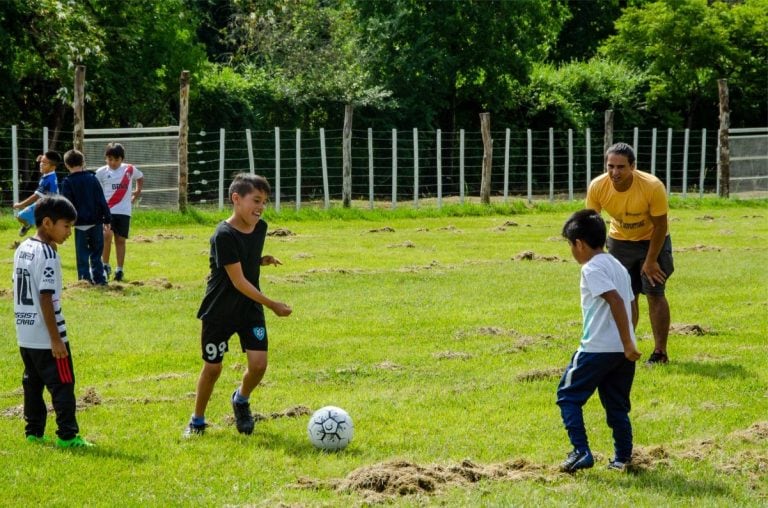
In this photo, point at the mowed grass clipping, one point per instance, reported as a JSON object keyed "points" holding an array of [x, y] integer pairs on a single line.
{"points": [[442, 334]]}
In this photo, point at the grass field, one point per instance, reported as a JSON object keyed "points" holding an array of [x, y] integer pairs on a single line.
{"points": [[444, 347]]}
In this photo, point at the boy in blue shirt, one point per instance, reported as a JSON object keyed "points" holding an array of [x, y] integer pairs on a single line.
{"points": [[605, 360], [48, 184], [233, 301]]}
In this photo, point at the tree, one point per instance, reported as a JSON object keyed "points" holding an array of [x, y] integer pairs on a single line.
{"points": [[308, 51], [447, 61], [685, 46]]}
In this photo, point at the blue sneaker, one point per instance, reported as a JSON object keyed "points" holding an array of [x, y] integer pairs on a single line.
{"points": [[577, 460]]}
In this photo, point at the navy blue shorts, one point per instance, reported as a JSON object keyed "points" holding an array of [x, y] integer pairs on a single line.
{"points": [[215, 339]]}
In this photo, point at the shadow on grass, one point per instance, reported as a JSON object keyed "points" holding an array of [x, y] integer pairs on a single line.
{"points": [[675, 486], [709, 369], [295, 446]]}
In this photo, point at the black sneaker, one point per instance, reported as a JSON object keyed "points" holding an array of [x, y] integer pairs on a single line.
{"points": [[577, 460], [194, 430], [118, 276], [617, 465], [657, 357], [107, 271], [243, 416], [24, 230]]}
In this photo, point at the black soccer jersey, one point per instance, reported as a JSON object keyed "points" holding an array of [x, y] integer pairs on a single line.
{"points": [[222, 302], [36, 269]]}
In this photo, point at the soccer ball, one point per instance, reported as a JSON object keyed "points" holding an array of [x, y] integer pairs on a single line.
{"points": [[330, 428]]}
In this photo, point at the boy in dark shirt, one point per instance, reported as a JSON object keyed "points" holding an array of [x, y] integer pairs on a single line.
{"points": [[233, 301], [84, 191]]}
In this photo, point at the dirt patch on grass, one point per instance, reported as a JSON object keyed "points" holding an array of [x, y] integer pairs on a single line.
{"points": [[385, 229], [699, 248], [529, 255], [706, 218], [5, 292], [648, 457], [451, 228], [406, 244], [161, 283], [281, 232], [539, 374], [756, 432], [452, 355], [157, 238], [688, 329], [343, 271], [387, 365], [387, 480], [291, 412]]}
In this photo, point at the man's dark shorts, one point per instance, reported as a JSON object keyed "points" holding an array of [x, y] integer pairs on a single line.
{"points": [[215, 339], [632, 256], [121, 224]]}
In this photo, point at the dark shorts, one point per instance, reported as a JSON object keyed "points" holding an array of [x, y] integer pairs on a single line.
{"points": [[215, 339], [632, 256], [121, 224]]}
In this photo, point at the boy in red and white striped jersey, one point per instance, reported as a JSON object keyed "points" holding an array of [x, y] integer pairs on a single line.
{"points": [[117, 179]]}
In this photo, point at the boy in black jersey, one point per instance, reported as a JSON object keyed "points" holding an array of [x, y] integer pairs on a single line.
{"points": [[233, 301]]}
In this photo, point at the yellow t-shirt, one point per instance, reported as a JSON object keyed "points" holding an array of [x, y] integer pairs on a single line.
{"points": [[632, 209]]}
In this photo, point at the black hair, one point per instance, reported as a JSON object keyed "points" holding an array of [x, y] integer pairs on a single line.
{"points": [[245, 183], [586, 225], [114, 150], [622, 149], [74, 158], [55, 207], [53, 156]]}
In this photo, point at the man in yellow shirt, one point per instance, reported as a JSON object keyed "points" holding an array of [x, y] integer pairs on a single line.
{"points": [[638, 236]]}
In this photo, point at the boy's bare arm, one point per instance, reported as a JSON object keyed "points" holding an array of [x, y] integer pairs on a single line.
{"points": [[139, 186], [235, 273], [23, 204], [619, 313], [58, 349]]}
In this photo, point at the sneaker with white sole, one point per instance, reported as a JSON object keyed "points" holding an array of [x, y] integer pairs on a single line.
{"points": [[192, 430], [577, 460]]}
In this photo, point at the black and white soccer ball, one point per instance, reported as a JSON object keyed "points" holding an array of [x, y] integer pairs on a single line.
{"points": [[330, 428]]}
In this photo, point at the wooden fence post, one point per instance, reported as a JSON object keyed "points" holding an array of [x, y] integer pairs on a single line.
{"points": [[183, 139], [346, 148], [725, 151], [608, 136], [485, 181], [79, 109]]}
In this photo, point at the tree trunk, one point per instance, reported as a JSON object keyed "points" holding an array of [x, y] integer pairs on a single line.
{"points": [[608, 136]]}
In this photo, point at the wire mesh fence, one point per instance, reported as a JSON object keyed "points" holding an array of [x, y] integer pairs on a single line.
{"points": [[395, 167]]}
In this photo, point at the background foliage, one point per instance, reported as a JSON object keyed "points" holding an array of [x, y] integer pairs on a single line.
{"points": [[402, 63]]}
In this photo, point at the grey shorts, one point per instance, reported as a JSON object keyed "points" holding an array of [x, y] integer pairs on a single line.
{"points": [[632, 256]]}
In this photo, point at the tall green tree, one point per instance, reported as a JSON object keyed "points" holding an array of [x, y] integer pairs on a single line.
{"points": [[685, 46], [447, 61]]}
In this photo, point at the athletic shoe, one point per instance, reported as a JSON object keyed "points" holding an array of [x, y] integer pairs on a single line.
{"points": [[75, 442], [616, 465], [24, 230], [37, 439], [193, 430], [243, 416], [118, 276], [107, 271], [657, 357], [577, 460]]}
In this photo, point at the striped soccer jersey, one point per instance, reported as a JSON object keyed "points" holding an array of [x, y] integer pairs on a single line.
{"points": [[36, 270]]}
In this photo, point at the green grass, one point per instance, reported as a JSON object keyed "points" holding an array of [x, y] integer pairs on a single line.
{"points": [[425, 335]]}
